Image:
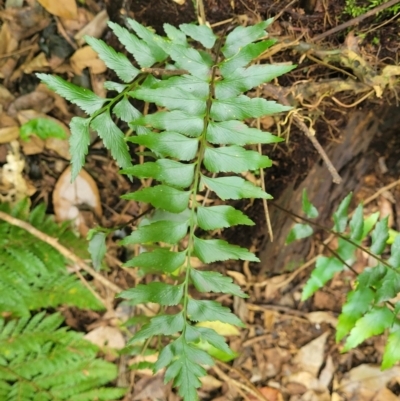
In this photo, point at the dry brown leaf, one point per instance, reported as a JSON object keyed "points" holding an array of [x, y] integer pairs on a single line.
{"points": [[238, 277], [270, 393], [210, 383], [72, 26], [8, 43], [64, 9], [106, 336], [34, 146], [8, 134], [70, 198], [94, 28], [150, 388], [385, 395], [39, 63], [37, 100], [86, 57], [363, 382], [311, 356], [320, 317]]}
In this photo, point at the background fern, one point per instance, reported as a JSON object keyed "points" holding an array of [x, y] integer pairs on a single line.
{"points": [[39, 360], [33, 274]]}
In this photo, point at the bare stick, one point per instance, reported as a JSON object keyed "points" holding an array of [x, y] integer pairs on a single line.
{"points": [[355, 21]]}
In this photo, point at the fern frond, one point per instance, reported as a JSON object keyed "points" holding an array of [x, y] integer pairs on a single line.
{"points": [[33, 274], [42, 361]]}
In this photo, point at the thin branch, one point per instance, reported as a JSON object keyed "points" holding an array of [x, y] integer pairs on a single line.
{"points": [[60, 248], [355, 21]]}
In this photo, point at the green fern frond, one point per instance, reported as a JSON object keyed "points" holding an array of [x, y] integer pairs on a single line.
{"points": [[33, 274], [39, 360]]}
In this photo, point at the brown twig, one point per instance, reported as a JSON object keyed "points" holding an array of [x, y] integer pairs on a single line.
{"points": [[355, 21], [278, 94], [60, 248]]}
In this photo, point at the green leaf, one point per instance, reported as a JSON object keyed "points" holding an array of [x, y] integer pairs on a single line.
{"points": [[208, 281], [374, 322], [200, 311], [372, 276], [162, 197], [369, 223], [156, 43], [97, 248], [214, 217], [245, 55], [115, 86], [340, 215], [170, 232], [357, 224], [209, 336], [196, 86], [242, 107], [190, 59], [176, 36], [173, 98], [178, 121], [394, 259], [167, 171], [236, 133], [43, 128], [392, 348], [243, 79], [115, 61], [357, 303], [308, 208], [379, 236], [234, 188], [325, 269], [79, 144], [201, 33], [389, 286], [299, 231], [211, 250], [234, 159], [169, 144], [142, 52], [159, 260], [125, 111], [241, 36], [160, 293], [113, 138], [165, 325], [84, 98], [186, 368]]}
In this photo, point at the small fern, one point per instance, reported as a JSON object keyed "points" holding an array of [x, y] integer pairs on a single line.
{"points": [[368, 310], [197, 133], [33, 274], [39, 360]]}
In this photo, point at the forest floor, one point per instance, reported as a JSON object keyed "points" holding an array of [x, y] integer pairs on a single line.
{"points": [[288, 350]]}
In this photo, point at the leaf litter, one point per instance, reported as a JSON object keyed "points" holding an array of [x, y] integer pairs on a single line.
{"points": [[286, 353]]}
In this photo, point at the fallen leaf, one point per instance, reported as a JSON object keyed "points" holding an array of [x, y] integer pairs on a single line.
{"points": [[95, 28], [311, 356], [150, 388], [365, 381], [69, 199], [210, 383], [86, 57], [270, 393], [8, 134], [322, 317], [64, 9], [224, 329], [106, 336], [385, 395]]}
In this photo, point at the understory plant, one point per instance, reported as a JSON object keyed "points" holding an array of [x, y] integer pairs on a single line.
{"points": [[194, 140], [40, 358], [371, 307]]}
